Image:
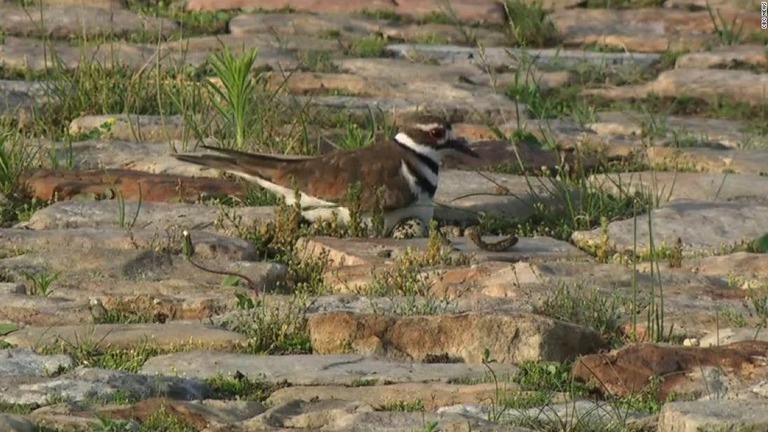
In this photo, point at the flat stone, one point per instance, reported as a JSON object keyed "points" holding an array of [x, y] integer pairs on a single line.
{"points": [[464, 337], [724, 57], [741, 161], [672, 186], [703, 227], [340, 369], [461, 195], [639, 29], [291, 24], [370, 251], [745, 264], [168, 335], [708, 84], [550, 58], [80, 21], [714, 415], [345, 415], [686, 370], [196, 414], [26, 362], [17, 423], [86, 384], [679, 131], [207, 244], [727, 336], [48, 184], [149, 215], [139, 128], [485, 11], [432, 395], [569, 414]]}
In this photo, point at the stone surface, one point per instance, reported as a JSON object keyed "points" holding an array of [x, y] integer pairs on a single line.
{"points": [[167, 335], [148, 215], [671, 186], [343, 369], [142, 128], [471, 11], [465, 337], [26, 362], [703, 227], [103, 385], [714, 415]]}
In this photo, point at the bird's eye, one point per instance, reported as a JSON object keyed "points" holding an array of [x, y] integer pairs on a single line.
{"points": [[437, 133]]}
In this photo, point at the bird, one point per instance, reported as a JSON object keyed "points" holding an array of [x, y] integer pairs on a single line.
{"points": [[407, 165]]}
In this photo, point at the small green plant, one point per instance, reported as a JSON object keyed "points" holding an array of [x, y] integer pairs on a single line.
{"points": [[730, 33], [587, 307], [40, 283], [528, 24], [402, 406], [164, 420], [241, 387], [234, 99], [317, 61], [272, 328], [366, 47]]}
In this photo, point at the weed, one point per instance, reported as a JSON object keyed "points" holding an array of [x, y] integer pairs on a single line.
{"points": [[589, 308], [40, 283], [402, 406], [241, 387], [234, 100], [317, 61], [88, 352], [163, 420], [548, 376], [529, 25], [365, 47], [272, 327], [730, 33]]}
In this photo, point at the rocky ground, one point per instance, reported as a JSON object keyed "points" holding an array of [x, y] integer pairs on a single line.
{"points": [[623, 141]]}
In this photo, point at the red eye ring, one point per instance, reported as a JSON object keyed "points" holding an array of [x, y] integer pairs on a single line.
{"points": [[437, 133]]}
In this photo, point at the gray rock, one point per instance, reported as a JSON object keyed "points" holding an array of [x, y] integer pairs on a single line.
{"points": [[562, 415], [727, 335], [168, 335], [312, 369], [463, 195], [151, 215], [86, 384], [340, 415], [140, 128], [26, 362], [663, 187], [716, 415], [207, 245], [17, 423], [77, 21], [503, 56], [703, 227]]}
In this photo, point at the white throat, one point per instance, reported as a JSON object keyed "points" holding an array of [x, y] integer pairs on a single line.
{"points": [[421, 149]]}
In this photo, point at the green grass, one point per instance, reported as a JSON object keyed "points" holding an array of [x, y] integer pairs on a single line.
{"points": [[528, 25], [91, 353], [241, 387]]}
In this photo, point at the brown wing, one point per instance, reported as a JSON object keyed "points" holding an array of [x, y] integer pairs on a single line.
{"points": [[329, 176]]}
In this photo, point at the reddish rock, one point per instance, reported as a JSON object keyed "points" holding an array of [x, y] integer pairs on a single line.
{"points": [[487, 11], [628, 371], [48, 184], [144, 410]]}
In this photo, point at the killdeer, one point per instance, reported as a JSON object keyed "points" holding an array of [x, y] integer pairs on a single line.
{"points": [[407, 165]]}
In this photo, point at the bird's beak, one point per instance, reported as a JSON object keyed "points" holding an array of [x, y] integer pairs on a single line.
{"points": [[461, 145]]}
